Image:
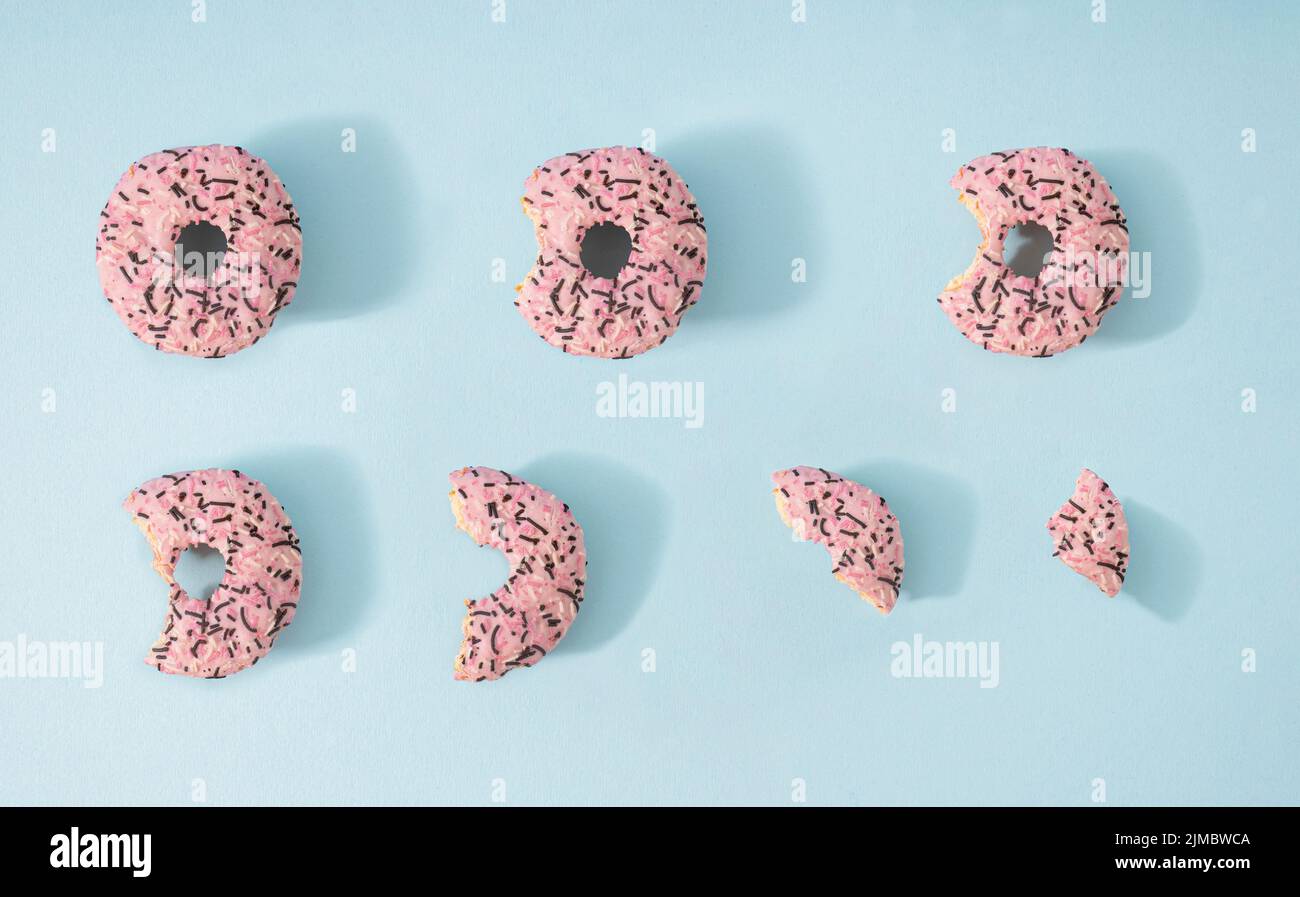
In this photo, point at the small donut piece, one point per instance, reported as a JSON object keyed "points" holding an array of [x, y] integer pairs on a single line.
{"points": [[640, 307], [1084, 275], [1091, 535], [854, 523], [519, 623], [162, 304], [257, 597]]}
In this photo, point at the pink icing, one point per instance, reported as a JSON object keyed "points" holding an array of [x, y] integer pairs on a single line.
{"points": [[1091, 534], [135, 250], [852, 522], [581, 313], [521, 622], [258, 595], [1082, 280]]}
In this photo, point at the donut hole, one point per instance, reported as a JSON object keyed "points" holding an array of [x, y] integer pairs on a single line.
{"points": [[606, 249], [200, 249], [1027, 248], [199, 571]]}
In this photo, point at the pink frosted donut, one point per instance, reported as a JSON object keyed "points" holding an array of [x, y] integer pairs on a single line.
{"points": [[1081, 280], [519, 623], [161, 298], [855, 525], [619, 314], [1091, 535], [258, 595]]}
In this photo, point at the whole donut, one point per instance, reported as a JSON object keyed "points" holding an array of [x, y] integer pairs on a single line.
{"points": [[150, 289], [580, 312], [521, 622], [257, 597], [1082, 278]]}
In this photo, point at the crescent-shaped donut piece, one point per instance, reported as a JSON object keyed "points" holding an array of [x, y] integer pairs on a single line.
{"points": [[521, 622], [852, 522], [258, 596], [1090, 533]]}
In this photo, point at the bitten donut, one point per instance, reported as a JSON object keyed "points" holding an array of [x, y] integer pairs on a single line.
{"points": [[521, 622], [1090, 533], [621, 314], [258, 595], [852, 522], [164, 301], [527, 616], [1083, 277]]}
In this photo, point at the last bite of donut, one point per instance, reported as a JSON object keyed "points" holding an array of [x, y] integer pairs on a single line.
{"points": [[1090, 534]]}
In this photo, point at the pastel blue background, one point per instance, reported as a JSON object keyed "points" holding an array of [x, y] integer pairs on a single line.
{"points": [[820, 141]]}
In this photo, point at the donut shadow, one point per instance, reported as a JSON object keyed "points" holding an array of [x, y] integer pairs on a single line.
{"points": [[1162, 241], [750, 183], [937, 513], [1165, 570], [323, 492], [359, 249], [623, 516]]}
